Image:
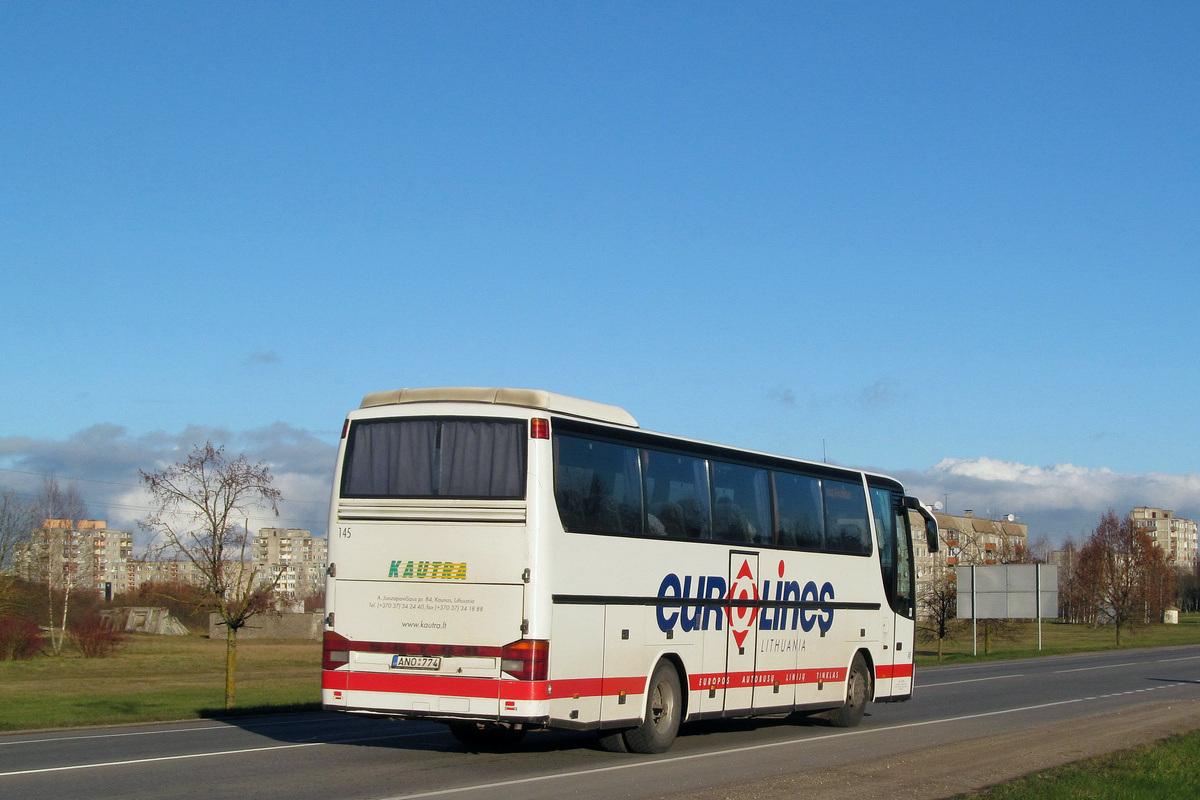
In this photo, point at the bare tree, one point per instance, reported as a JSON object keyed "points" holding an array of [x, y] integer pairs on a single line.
{"points": [[195, 506], [62, 565], [1038, 551], [939, 606], [1187, 583], [1075, 601], [1158, 582], [1125, 572], [16, 522], [985, 542]]}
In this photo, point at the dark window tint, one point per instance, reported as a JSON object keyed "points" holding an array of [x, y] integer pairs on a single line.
{"points": [[885, 535], [460, 458], [894, 538], [906, 589], [741, 504], [846, 526], [597, 486], [801, 521], [677, 496]]}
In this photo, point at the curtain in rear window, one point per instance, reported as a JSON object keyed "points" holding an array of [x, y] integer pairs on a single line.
{"points": [[449, 458]]}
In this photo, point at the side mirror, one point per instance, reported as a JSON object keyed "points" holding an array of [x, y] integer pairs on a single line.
{"points": [[931, 528]]}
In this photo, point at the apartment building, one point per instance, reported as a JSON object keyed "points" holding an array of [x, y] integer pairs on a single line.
{"points": [[966, 540], [294, 555], [77, 554], [292, 558], [85, 554], [141, 572], [1176, 536]]}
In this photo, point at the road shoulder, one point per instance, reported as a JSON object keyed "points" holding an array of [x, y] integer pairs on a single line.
{"points": [[933, 773]]}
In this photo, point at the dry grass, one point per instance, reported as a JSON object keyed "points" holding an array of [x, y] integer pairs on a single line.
{"points": [[156, 678], [1059, 638]]}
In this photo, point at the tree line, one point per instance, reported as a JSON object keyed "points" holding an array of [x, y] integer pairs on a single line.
{"points": [[1118, 575]]}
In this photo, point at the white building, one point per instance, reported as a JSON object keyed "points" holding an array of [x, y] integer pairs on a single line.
{"points": [[1176, 536]]}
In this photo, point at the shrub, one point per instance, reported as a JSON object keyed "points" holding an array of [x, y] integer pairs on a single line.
{"points": [[19, 639], [95, 637]]}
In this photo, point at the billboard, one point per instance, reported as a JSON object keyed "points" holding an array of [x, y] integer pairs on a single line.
{"points": [[1008, 591]]}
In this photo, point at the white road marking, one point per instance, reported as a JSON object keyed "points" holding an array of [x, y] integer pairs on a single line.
{"points": [[739, 750], [1105, 666], [969, 680], [583, 772], [211, 754], [157, 732]]}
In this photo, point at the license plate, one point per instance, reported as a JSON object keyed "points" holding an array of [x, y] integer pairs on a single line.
{"points": [[416, 662]]}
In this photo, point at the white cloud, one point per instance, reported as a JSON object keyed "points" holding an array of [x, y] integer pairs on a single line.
{"points": [[1056, 501], [104, 461]]}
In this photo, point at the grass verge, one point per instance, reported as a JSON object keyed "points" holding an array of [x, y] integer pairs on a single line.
{"points": [[1170, 768], [1057, 639], [157, 678], [168, 677]]}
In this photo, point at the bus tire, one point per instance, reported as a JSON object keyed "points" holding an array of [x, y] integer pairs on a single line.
{"points": [[613, 741], [858, 689], [664, 711], [488, 738]]}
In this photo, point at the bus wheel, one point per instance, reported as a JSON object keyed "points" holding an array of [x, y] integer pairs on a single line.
{"points": [[858, 689], [479, 736], [664, 709], [613, 741]]}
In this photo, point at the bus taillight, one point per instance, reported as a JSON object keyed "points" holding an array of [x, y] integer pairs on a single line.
{"points": [[526, 659], [335, 651], [539, 429]]}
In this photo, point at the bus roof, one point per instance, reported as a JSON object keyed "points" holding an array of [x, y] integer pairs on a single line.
{"points": [[525, 398]]}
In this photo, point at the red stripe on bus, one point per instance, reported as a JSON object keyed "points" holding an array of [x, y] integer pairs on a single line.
{"points": [[784, 677], [331, 679], [458, 686], [886, 671]]}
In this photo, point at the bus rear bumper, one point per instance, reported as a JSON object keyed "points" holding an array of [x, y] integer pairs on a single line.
{"points": [[431, 706], [528, 723]]}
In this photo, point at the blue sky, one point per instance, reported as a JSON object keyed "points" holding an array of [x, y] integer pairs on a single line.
{"points": [[953, 242]]}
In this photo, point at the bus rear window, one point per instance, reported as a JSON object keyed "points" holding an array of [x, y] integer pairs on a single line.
{"points": [[423, 458]]}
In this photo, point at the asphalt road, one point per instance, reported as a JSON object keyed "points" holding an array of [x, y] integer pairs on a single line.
{"points": [[327, 756]]}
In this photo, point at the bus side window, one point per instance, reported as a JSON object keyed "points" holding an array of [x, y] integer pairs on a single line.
{"points": [[677, 496], [742, 511], [846, 526], [597, 486], [801, 523]]}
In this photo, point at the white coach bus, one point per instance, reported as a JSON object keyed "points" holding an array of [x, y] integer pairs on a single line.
{"points": [[504, 560]]}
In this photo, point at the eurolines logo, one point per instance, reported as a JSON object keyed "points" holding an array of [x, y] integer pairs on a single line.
{"points": [[432, 570], [746, 603]]}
